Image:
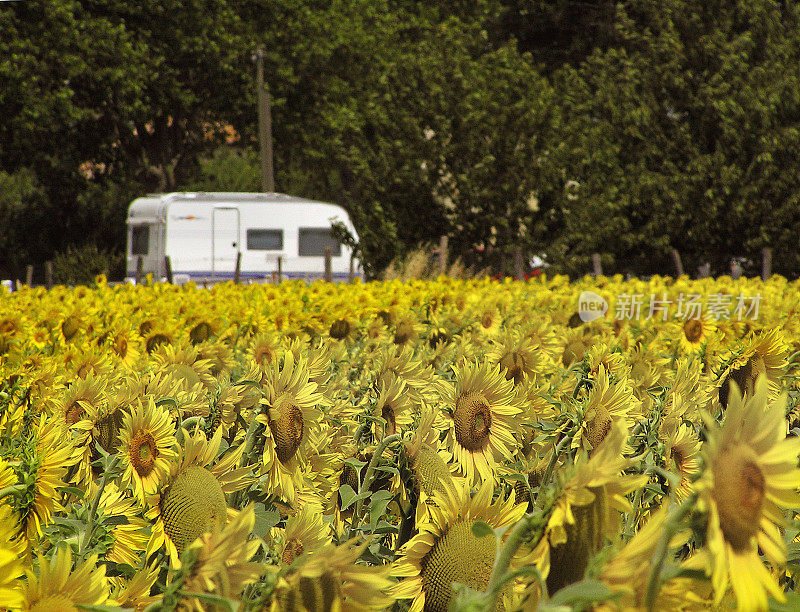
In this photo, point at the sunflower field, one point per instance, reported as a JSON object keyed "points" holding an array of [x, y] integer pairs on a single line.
{"points": [[435, 445]]}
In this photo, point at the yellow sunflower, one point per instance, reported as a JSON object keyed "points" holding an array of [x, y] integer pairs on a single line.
{"points": [[447, 550], [481, 407], [12, 550], [751, 475], [394, 406], [147, 448], [589, 508], [57, 587], [762, 353], [127, 540], [608, 403], [682, 457], [221, 561], [693, 334], [626, 574], [192, 498], [183, 363], [290, 409], [330, 579], [136, 592], [428, 463], [304, 533], [517, 355], [265, 349], [47, 454]]}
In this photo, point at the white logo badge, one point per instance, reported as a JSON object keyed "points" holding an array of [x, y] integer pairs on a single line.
{"points": [[591, 306]]}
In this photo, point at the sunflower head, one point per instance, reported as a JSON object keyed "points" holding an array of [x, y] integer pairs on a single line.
{"points": [[459, 556], [193, 504]]}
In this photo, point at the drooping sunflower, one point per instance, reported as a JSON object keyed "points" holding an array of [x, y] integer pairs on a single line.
{"points": [[192, 499], [47, 454], [447, 550], [57, 587], [136, 592], [762, 353], [588, 510], [575, 343], [401, 362], [330, 579], [221, 561], [12, 549], [394, 406], [290, 408], [751, 475], [126, 540], [182, 362], [682, 456], [218, 354], [517, 355], [429, 465], [74, 409], [147, 448], [627, 572], [608, 403], [480, 408], [304, 533]]}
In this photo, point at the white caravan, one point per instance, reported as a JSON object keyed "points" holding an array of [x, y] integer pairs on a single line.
{"points": [[203, 234]]}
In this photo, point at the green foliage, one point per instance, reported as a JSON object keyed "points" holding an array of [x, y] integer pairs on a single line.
{"points": [[567, 128], [80, 265], [23, 222], [227, 169]]}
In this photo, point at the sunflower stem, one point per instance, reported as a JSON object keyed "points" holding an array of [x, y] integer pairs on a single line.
{"points": [[87, 535], [529, 527], [367, 482], [187, 424], [12, 490], [670, 528], [553, 459]]}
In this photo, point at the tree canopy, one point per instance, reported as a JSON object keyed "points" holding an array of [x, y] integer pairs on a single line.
{"points": [[561, 128]]}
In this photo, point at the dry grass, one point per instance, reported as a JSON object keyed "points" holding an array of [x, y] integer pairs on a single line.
{"points": [[423, 263]]}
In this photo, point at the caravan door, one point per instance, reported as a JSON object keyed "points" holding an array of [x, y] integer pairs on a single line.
{"points": [[225, 241]]}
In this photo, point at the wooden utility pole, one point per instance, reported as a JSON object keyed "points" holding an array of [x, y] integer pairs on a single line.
{"points": [[443, 255], [519, 267], [597, 264], [766, 263], [237, 271], [328, 265], [264, 124], [676, 259], [168, 268]]}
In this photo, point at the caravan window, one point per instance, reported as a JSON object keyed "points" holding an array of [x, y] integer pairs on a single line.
{"points": [[313, 241], [264, 240], [140, 239]]}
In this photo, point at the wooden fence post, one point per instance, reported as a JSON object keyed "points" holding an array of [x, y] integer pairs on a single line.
{"points": [[676, 258], [443, 254], [29, 276], [519, 269], [48, 274], [168, 268], [597, 264], [352, 272], [328, 265], [237, 271], [279, 277], [139, 269], [766, 263]]}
